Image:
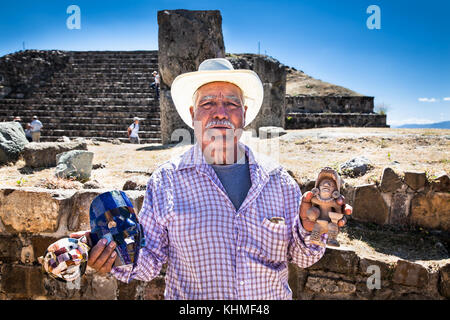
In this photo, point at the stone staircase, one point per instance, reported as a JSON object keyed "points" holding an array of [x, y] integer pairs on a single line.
{"points": [[95, 96]]}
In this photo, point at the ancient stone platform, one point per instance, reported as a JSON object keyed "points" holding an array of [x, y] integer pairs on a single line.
{"points": [[89, 94]]}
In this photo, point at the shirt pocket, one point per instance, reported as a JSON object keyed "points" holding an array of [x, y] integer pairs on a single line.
{"points": [[274, 241]]}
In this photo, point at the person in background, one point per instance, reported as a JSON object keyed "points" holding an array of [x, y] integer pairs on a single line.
{"points": [[156, 83], [28, 133], [133, 131], [36, 127]]}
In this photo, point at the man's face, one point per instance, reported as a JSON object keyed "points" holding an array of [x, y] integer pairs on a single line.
{"points": [[218, 111], [326, 188]]}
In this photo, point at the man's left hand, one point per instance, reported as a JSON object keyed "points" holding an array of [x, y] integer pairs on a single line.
{"points": [[307, 224]]}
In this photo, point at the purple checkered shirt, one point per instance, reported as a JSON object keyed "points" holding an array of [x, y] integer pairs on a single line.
{"points": [[213, 251]]}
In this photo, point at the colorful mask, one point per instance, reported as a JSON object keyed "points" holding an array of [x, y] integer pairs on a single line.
{"points": [[66, 259], [111, 217]]}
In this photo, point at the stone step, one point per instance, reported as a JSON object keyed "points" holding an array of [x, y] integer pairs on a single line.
{"points": [[81, 79], [91, 95], [123, 140], [85, 108], [97, 133], [9, 115], [89, 101], [143, 127], [88, 120]]}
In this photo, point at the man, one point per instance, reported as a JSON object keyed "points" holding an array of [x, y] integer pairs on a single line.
{"points": [[36, 127], [133, 131], [156, 83], [226, 222]]}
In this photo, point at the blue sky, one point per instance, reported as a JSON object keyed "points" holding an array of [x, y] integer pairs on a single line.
{"points": [[405, 64]]}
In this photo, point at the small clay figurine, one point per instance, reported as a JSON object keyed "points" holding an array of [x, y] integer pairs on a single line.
{"points": [[325, 210]]}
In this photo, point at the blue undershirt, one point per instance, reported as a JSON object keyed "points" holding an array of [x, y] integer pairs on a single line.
{"points": [[236, 180]]}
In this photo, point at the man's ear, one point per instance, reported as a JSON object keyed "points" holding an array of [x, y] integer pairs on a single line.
{"points": [[245, 112], [191, 110]]}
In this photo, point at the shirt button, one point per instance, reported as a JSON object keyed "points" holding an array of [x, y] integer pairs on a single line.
{"points": [[242, 283]]}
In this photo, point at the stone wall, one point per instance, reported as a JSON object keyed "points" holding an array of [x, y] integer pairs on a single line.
{"points": [[273, 76], [23, 72], [322, 120], [185, 39], [332, 104], [32, 218]]}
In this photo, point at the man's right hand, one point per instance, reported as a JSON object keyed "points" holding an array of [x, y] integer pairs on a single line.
{"points": [[101, 256]]}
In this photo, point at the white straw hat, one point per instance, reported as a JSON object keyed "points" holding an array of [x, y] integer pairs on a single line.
{"points": [[212, 70]]}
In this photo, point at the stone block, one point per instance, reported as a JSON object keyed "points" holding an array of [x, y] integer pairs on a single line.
{"points": [[431, 210], [100, 287], [410, 274], [43, 154], [40, 243], [273, 76], [33, 210], [441, 183], [337, 260], [369, 205], [136, 183], [10, 248], [329, 286], [12, 141], [444, 281], [80, 204], [154, 290], [415, 180], [390, 181], [185, 39], [74, 164], [399, 209], [22, 281], [385, 267], [271, 132]]}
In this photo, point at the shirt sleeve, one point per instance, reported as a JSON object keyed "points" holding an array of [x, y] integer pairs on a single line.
{"points": [[154, 254], [300, 249]]}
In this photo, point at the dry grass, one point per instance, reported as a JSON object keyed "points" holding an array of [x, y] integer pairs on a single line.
{"points": [[413, 149]]}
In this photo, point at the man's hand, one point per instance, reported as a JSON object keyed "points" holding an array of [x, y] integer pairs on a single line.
{"points": [[307, 224], [101, 256]]}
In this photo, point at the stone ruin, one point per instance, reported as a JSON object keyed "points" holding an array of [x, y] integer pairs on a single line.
{"points": [[96, 94]]}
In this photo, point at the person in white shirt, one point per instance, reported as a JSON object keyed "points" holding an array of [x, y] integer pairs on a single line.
{"points": [[36, 127], [133, 131], [156, 83]]}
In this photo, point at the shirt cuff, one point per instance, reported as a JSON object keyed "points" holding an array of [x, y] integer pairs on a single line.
{"points": [[304, 237], [122, 273]]}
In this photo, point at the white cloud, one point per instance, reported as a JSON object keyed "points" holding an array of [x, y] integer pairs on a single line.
{"points": [[410, 121], [427, 99], [447, 99]]}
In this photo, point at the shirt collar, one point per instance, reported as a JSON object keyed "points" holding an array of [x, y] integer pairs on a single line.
{"points": [[194, 158]]}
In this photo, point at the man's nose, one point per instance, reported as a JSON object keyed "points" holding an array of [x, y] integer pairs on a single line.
{"points": [[221, 111]]}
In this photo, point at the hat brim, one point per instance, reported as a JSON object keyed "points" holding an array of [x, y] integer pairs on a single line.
{"points": [[185, 85]]}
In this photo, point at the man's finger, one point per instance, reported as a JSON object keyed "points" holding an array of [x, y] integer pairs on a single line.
{"points": [[108, 264], [305, 204], [342, 222], [98, 264], [96, 251]]}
